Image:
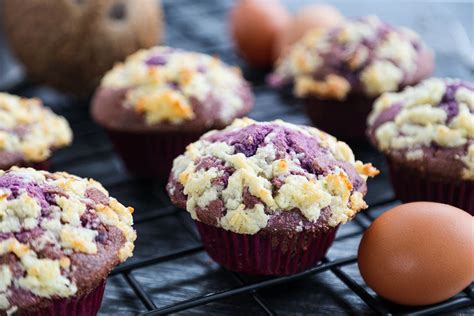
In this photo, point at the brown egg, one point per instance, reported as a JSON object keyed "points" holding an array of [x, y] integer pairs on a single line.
{"points": [[254, 25], [418, 253], [310, 17]]}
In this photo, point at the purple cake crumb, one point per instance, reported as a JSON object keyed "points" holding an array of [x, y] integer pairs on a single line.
{"points": [[209, 162], [102, 236], [249, 200], [25, 235], [201, 68], [449, 103], [4, 236], [211, 213], [97, 196], [173, 85], [90, 220], [17, 184], [387, 115], [156, 60], [249, 141], [451, 108], [314, 158]]}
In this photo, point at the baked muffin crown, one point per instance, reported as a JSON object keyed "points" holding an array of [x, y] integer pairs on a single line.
{"points": [[430, 124], [255, 176], [364, 56], [60, 236], [29, 131], [173, 86]]}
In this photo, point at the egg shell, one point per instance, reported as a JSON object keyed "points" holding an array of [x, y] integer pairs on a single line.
{"points": [[418, 253], [254, 26], [321, 16]]}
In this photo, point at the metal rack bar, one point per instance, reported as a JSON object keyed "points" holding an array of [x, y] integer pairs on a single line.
{"points": [[359, 290], [156, 213], [139, 291], [126, 267], [211, 297], [257, 298]]}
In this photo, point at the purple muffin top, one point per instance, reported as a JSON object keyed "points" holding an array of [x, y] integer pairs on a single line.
{"points": [[173, 86], [429, 126], [60, 236], [29, 131], [363, 55], [271, 176]]}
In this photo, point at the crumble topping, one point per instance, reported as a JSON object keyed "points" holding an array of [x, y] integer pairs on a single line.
{"points": [[436, 112], [364, 52], [165, 83], [31, 129], [281, 166]]}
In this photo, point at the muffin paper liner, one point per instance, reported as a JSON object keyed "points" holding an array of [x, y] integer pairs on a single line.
{"points": [[43, 165], [86, 305], [345, 120], [265, 253], [151, 155], [410, 186]]}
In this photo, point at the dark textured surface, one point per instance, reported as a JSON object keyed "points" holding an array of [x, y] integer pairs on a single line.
{"points": [[163, 231]]}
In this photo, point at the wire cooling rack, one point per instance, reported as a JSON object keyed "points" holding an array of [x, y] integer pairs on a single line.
{"points": [[170, 272]]}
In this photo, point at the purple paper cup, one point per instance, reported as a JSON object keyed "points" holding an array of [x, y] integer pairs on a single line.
{"points": [[265, 253], [85, 305], [40, 165], [410, 185], [43, 165], [346, 120], [151, 155]]}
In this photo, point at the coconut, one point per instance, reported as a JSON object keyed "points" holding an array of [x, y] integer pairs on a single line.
{"points": [[70, 44]]}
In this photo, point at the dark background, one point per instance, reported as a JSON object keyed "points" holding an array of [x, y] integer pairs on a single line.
{"points": [[448, 27]]}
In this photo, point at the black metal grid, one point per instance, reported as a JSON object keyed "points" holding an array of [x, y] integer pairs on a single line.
{"points": [[198, 26]]}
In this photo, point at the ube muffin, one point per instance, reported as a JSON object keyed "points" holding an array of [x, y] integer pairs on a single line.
{"points": [[60, 236], [341, 70], [268, 197], [427, 134], [29, 132], [160, 100]]}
